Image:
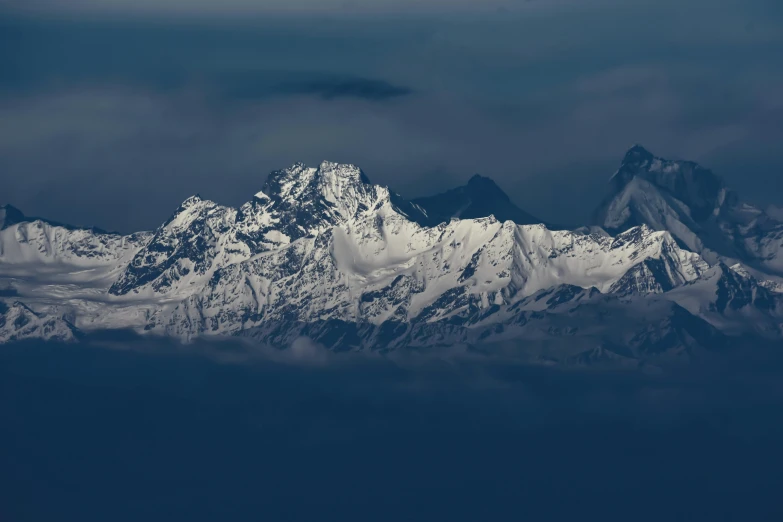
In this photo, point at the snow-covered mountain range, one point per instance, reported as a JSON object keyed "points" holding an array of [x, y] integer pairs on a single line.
{"points": [[675, 265]]}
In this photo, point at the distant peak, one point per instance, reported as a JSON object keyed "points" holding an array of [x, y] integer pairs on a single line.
{"points": [[483, 184], [637, 154], [10, 208], [478, 198], [637, 159], [696, 187], [479, 180], [10, 215]]}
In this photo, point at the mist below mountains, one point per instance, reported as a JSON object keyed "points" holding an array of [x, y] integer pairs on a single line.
{"points": [[127, 430]]}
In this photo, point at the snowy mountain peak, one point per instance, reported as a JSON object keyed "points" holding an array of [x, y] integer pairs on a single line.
{"points": [[192, 200], [343, 171], [188, 211], [318, 197], [297, 202], [300, 180]]}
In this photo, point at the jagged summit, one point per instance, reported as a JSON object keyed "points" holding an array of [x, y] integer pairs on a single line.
{"points": [[699, 188], [330, 193], [296, 202], [637, 154], [693, 203], [480, 197], [648, 189], [298, 180], [191, 201]]}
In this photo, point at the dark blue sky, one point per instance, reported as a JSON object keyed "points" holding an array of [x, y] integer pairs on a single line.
{"points": [[112, 113]]}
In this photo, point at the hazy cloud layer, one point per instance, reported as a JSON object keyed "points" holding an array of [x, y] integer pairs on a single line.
{"points": [[126, 436], [361, 88], [252, 7], [114, 123]]}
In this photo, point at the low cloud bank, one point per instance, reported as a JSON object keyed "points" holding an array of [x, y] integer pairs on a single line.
{"points": [[154, 430]]}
